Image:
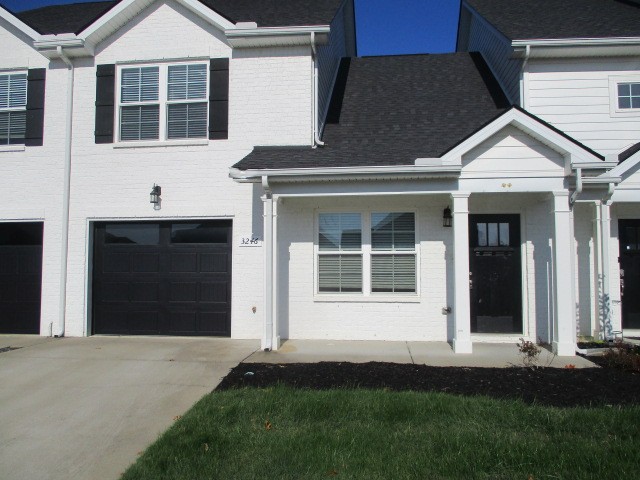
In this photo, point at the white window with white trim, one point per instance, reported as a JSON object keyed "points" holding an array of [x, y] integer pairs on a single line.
{"points": [[13, 108], [624, 96], [370, 253], [163, 102], [629, 95]]}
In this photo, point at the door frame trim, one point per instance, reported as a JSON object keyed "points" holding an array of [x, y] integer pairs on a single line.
{"points": [[524, 270], [89, 251]]}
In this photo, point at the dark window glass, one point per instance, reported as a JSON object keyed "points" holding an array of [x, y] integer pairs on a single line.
{"points": [[482, 234], [20, 233], [133, 233], [631, 241], [504, 234], [198, 233]]}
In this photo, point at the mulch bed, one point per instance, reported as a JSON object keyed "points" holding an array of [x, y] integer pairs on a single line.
{"points": [[545, 386]]}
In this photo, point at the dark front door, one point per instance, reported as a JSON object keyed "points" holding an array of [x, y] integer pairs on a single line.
{"points": [[629, 234], [162, 278], [20, 277], [495, 273]]}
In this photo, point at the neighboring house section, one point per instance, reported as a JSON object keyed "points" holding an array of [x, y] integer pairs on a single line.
{"points": [[168, 93]]}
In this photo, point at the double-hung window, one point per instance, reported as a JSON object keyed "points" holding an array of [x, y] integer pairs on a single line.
{"points": [[163, 102], [340, 253], [13, 105], [372, 253], [393, 252]]}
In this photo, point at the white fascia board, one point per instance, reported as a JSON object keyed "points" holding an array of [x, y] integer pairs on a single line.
{"points": [[73, 46], [577, 47], [576, 42], [603, 179], [110, 19], [578, 156], [19, 24], [315, 173], [268, 36], [625, 166]]}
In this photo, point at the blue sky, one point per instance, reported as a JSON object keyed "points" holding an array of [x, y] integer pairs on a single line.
{"points": [[384, 27]]}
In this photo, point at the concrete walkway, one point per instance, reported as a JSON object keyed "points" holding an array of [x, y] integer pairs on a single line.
{"points": [[429, 353], [84, 408]]}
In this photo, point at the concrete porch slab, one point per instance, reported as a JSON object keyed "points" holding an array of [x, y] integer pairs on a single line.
{"points": [[499, 355], [84, 408]]}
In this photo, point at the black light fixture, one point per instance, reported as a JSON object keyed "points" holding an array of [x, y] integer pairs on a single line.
{"points": [[154, 196], [447, 218]]}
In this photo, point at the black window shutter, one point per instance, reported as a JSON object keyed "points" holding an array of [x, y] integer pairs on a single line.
{"points": [[36, 79], [105, 102], [219, 99]]}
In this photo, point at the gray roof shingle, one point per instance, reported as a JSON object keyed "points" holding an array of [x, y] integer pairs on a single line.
{"points": [[73, 18], [391, 110], [544, 19]]}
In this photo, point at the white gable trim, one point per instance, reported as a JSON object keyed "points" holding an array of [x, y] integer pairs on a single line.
{"points": [[575, 155], [122, 13], [18, 24]]}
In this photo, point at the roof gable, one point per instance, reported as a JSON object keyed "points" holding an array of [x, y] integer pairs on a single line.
{"points": [[561, 19]]}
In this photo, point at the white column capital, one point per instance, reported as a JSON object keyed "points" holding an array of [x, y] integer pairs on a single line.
{"points": [[561, 202], [460, 194]]}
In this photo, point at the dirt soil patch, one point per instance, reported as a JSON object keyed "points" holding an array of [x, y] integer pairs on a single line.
{"points": [[545, 386]]}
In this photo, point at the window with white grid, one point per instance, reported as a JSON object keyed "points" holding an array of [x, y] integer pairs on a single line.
{"points": [[368, 253], [163, 102], [13, 108]]}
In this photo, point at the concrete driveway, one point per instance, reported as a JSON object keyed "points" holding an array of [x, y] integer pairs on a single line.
{"points": [[84, 408]]}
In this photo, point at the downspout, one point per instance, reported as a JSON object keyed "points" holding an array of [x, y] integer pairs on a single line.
{"points": [[316, 134], [267, 198], [66, 194], [578, 189], [527, 53]]}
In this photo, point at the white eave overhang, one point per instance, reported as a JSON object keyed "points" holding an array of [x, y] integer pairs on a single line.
{"points": [[276, 36], [577, 47], [73, 46], [344, 173]]}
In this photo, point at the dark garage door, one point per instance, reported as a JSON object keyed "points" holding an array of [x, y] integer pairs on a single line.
{"points": [[168, 278], [20, 277]]}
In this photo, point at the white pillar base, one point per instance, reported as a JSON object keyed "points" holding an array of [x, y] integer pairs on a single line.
{"points": [[564, 349], [462, 346], [276, 343]]}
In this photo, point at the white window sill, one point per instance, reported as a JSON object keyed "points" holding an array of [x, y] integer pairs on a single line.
{"points": [[349, 298], [168, 143], [12, 148]]}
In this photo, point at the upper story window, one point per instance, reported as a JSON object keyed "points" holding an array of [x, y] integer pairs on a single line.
{"points": [[13, 105], [628, 95], [163, 102]]}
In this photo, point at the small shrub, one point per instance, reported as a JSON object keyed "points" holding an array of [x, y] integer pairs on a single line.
{"points": [[623, 356], [529, 352]]}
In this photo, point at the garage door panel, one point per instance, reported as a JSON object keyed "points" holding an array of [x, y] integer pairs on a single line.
{"points": [[214, 323], [29, 292], [183, 292], [214, 292], [214, 262], [183, 322], [146, 263], [145, 292], [8, 263], [30, 263], [114, 292], [116, 262], [8, 291], [167, 285], [184, 262]]}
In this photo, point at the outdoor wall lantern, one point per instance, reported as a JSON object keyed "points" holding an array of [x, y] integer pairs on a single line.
{"points": [[154, 196], [447, 217]]}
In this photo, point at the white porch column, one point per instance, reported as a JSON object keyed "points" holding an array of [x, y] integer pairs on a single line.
{"points": [[267, 337], [564, 325], [461, 302], [275, 331]]}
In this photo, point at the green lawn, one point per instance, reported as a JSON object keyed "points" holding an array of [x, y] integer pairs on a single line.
{"points": [[390, 435]]}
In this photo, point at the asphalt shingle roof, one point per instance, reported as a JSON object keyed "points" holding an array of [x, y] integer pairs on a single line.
{"points": [[629, 152], [74, 17], [543, 19], [392, 110]]}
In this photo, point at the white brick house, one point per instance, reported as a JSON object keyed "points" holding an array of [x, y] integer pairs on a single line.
{"points": [[305, 196]]}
